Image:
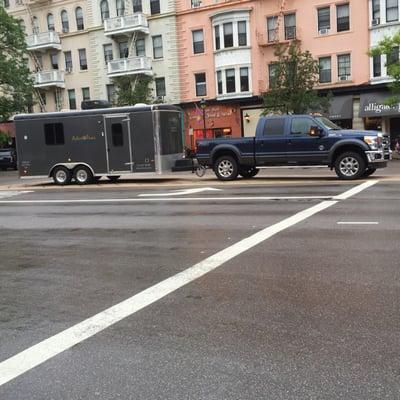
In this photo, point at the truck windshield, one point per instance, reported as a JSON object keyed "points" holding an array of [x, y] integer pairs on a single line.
{"points": [[327, 123]]}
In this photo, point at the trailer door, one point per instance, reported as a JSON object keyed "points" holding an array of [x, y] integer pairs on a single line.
{"points": [[118, 143]]}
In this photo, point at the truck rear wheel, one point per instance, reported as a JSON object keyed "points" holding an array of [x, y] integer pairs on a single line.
{"points": [[61, 176], [226, 168], [350, 165], [369, 171], [83, 175], [249, 172]]}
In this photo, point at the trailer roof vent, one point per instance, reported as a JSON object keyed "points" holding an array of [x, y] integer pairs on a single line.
{"points": [[92, 104], [140, 105]]}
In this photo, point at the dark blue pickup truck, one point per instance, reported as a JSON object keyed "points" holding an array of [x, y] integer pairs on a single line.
{"points": [[301, 140]]}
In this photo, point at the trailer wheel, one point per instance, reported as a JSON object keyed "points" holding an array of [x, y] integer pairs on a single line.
{"points": [[113, 178], [62, 176], [83, 175]]}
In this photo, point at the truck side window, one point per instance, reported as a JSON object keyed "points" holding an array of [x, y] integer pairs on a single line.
{"points": [[117, 135], [274, 127], [301, 126], [54, 134]]}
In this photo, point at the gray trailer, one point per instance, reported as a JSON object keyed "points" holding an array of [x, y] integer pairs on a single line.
{"points": [[85, 145]]}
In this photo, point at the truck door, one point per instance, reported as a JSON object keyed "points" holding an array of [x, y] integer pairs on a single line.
{"points": [[270, 144], [303, 148], [118, 143]]}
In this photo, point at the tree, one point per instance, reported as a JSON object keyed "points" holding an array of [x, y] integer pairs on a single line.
{"points": [[16, 85], [389, 47], [135, 89], [294, 77]]}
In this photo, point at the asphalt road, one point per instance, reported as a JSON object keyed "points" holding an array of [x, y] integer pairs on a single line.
{"points": [[310, 311]]}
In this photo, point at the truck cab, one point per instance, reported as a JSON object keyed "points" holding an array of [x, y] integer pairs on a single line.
{"points": [[303, 140]]}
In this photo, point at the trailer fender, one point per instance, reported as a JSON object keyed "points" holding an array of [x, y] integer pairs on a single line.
{"points": [[70, 166]]}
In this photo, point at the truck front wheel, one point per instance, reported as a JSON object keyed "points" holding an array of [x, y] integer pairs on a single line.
{"points": [[350, 166], [226, 168]]}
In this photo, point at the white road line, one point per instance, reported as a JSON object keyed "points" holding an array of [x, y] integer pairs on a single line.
{"points": [[355, 190], [358, 223], [179, 192], [12, 193], [168, 199], [43, 351]]}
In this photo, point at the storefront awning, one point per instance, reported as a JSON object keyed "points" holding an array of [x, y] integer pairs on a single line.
{"points": [[341, 108], [374, 105]]}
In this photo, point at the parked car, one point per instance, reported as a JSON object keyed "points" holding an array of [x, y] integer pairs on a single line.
{"points": [[290, 140], [8, 159]]}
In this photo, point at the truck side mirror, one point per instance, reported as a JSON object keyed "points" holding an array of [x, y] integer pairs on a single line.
{"points": [[315, 131]]}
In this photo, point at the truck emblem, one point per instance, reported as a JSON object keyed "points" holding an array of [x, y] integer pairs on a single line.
{"points": [[322, 147]]}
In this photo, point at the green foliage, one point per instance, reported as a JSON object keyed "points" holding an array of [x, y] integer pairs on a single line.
{"points": [[4, 139], [16, 86], [389, 47], [131, 90], [296, 74]]}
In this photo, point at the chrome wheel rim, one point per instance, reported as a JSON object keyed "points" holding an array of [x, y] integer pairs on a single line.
{"points": [[61, 176], [225, 168], [349, 166], [81, 176]]}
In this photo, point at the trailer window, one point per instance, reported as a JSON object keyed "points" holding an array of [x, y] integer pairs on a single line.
{"points": [[54, 134], [171, 133], [117, 135]]}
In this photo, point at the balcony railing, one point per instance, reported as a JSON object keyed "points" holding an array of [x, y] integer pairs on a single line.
{"points": [[44, 79], [130, 66], [43, 41], [126, 24]]}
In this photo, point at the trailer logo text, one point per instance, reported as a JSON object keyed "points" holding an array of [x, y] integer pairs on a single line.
{"points": [[83, 138]]}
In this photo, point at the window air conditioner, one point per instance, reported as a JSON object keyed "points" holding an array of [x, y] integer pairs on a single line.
{"points": [[196, 3], [324, 31], [344, 77], [376, 21]]}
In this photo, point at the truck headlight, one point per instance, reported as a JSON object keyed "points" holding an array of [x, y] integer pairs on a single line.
{"points": [[372, 142]]}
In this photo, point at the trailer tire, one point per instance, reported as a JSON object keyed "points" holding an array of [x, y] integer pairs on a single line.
{"points": [[61, 175], [83, 175], [226, 168], [113, 178]]}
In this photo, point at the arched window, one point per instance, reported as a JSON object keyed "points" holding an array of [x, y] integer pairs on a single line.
{"points": [[120, 8], [35, 27], [64, 21], [105, 11], [50, 22], [79, 19]]}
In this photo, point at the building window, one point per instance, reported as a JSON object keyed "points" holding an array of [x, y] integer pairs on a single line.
{"points": [[140, 48], [6, 3], [392, 10], [325, 70], [22, 25], [85, 93], [137, 6], [272, 28], [344, 67], [198, 41], [54, 60], [393, 57], [64, 21], [79, 19], [157, 47], [68, 61], [108, 53], [228, 34], [376, 65], [35, 23], [217, 38], [120, 6], [160, 87], [290, 26], [324, 18], [343, 17], [72, 99], [219, 82], [155, 7], [54, 134], [201, 86], [272, 74], [104, 9], [50, 22], [123, 49], [82, 59], [230, 80], [242, 33], [111, 93], [376, 12], [244, 79]]}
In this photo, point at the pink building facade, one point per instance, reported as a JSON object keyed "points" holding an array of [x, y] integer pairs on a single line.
{"points": [[226, 50]]}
